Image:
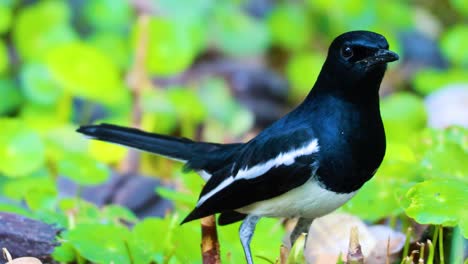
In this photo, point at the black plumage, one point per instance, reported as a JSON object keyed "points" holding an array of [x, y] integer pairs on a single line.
{"points": [[304, 165]]}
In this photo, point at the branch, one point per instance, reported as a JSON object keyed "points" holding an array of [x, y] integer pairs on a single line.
{"points": [[210, 243]]}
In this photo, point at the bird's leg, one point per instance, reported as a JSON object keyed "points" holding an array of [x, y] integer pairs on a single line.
{"points": [[302, 226], [245, 233]]}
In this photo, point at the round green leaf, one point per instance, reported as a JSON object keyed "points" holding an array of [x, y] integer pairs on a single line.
{"points": [[108, 14], [289, 26], [41, 27], [239, 34], [115, 212], [403, 114], [5, 18], [82, 169], [84, 212], [38, 84], [376, 200], [302, 71], [4, 61], [11, 96], [170, 47], [461, 6], [445, 153], [100, 243], [64, 253], [188, 104], [17, 189], [453, 43], [438, 201], [222, 106], [431, 80], [115, 46], [142, 235], [85, 71], [21, 149]]}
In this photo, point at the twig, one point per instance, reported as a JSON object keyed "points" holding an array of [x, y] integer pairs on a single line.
{"points": [[137, 80], [387, 260], [284, 253], [210, 243], [354, 252], [6, 254]]}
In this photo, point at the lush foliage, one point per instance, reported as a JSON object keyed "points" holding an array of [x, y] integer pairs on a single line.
{"points": [[61, 65]]}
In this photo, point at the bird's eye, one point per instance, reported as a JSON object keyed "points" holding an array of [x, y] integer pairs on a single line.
{"points": [[347, 52]]}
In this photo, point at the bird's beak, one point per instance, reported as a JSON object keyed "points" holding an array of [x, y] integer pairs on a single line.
{"points": [[382, 56]]}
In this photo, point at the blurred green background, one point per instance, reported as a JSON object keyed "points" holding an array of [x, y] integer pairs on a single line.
{"points": [[216, 71]]}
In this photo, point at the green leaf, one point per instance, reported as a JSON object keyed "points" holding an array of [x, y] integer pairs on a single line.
{"points": [[170, 47], [296, 255], [156, 250], [403, 114], [15, 209], [239, 34], [461, 6], [188, 104], [11, 96], [159, 112], [289, 26], [21, 149], [302, 71], [17, 189], [222, 106], [115, 46], [446, 153], [4, 60], [431, 80], [38, 84], [377, 199], [44, 118], [64, 253], [100, 243], [41, 27], [177, 196], [108, 14], [5, 18], [453, 43], [116, 212], [438, 202], [85, 71], [84, 212], [82, 169]]}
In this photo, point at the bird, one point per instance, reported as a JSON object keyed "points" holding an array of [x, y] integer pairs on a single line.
{"points": [[306, 164]]}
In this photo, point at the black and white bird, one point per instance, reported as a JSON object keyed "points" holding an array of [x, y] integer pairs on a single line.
{"points": [[306, 164]]}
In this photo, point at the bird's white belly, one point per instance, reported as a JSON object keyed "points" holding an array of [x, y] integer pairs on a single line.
{"points": [[308, 200]]}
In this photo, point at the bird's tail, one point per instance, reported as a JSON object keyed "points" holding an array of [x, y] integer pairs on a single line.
{"points": [[181, 149]]}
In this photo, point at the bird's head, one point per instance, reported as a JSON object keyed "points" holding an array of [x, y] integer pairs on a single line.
{"points": [[358, 58]]}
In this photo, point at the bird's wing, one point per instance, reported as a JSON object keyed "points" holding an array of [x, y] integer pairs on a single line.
{"points": [[265, 168]]}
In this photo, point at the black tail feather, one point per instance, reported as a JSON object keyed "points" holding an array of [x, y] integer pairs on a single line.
{"points": [[171, 147]]}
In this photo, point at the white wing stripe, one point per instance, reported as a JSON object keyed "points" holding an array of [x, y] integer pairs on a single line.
{"points": [[287, 158]]}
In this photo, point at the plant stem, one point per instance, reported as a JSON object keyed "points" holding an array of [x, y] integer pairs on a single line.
{"points": [[435, 236], [441, 244], [421, 253], [430, 256], [407, 242]]}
